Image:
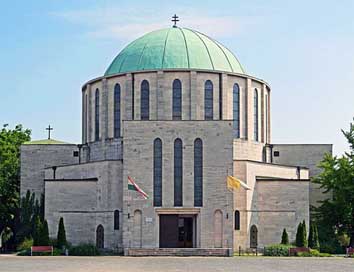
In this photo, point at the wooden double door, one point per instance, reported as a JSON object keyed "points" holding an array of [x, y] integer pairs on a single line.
{"points": [[177, 231]]}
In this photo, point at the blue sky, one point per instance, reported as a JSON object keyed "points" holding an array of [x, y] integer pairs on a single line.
{"points": [[303, 49]]}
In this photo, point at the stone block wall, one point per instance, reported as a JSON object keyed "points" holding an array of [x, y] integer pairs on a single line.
{"points": [[85, 203], [138, 163], [36, 157], [247, 202], [307, 155]]}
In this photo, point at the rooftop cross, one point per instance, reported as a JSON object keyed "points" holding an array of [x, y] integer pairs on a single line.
{"points": [[175, 20], [49, 128]]}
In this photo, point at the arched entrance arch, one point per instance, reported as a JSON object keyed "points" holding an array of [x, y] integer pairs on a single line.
{"points": [[254, 237], [100, 237]]}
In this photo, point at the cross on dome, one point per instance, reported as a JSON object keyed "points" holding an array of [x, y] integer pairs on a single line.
{"points": [[49, 128], [175, 20]]}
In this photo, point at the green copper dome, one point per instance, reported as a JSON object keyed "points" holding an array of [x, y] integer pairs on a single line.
{"points": [[174, 48]]}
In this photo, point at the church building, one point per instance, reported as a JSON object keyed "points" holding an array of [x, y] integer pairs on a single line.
{"points": [[176, 113]]}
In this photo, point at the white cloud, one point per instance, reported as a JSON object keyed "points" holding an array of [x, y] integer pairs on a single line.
{"points": [[127, 24]]}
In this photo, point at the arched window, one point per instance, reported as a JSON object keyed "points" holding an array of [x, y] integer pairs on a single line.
{"points": [[208, 100], [116, 220], [157, 172], [236, 110], [178, 173], [85, 118], [117, 111], [145, 100], [198, 173], [218, 228], [177, 100], [237, 220], [266, 118], [100, 237], [97, 115], [255, 114], [253, 237]]}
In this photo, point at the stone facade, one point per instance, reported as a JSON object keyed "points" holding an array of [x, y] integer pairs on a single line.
{"points": [[35, 157], [217, 162], [90, 190], [85, 195], [308, 155]]}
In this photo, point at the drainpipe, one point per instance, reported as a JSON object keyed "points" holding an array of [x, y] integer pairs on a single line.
{"points": [[271, 153], [298, 169], [79, 146], [54, 170]]}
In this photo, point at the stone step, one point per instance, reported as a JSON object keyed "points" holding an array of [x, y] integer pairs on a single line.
{"points": [[218, 252]]}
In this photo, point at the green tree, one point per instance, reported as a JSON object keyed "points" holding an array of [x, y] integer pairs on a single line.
{"points": [[10, 142], [311, 236], [299, 235], [304, 234], [28, 213], [336, 213], [44, 235], [284, 238], [37, 232], [61, 239], [316, 243]]}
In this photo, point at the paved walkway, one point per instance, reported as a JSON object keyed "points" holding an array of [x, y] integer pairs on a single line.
{"points": [[164, 264]]}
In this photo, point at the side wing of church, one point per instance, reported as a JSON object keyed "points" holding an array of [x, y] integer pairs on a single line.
{"points": [[175, 112]]}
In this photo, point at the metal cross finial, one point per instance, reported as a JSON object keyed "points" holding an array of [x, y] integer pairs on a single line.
{"points": [[49, 128], [175, 20]]}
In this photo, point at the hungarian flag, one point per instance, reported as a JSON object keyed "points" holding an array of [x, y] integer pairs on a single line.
{"points": [[134, 187]]}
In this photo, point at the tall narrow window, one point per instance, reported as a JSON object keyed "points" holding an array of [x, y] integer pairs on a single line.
{"points": [[266, 118], [177, 100], [208, 100], [100, 237], [178, 173], [145, 100], [255, 114], [157, 172], [85, 118], [236, 110], [116, 220], [237, 220], [253, 237], [116, 111], [97, 115], [198, 173]]}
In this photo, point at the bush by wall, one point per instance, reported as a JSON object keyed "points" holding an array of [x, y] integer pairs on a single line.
{"points": [[61, 238], [313, 253], [84, 250], [284, 238], [277, 250]]}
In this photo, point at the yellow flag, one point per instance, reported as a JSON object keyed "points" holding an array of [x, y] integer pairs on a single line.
{"points": [[233, 183]]}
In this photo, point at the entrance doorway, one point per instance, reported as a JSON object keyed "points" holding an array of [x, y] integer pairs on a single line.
{"points": [[177, 231]]}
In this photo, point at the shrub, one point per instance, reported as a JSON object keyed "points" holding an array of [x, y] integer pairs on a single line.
{"points": [[25, 245], [61, 234], [299, 237], [84, 250], [277, 250], [304, 234], [44, 234], [37, 232], [316, 243], [313, 253], [284, 238]]}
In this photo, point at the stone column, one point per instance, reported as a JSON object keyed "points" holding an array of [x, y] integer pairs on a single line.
{"points": [[250, 116], [128, 98], [193, 95], [226, 104], [104, 110], [161, 107]]}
